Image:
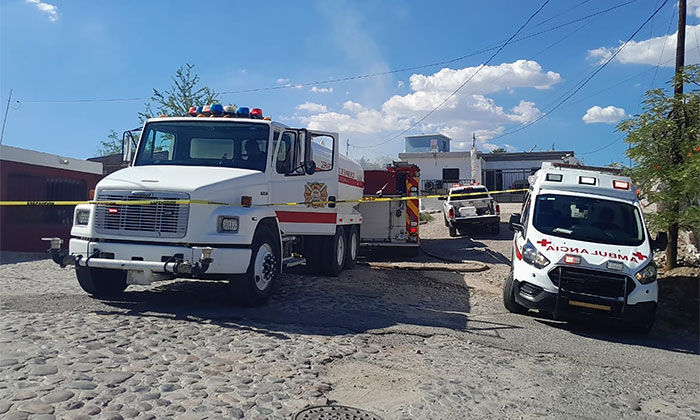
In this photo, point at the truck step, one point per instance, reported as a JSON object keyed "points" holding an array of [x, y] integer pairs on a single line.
{"points": [[293, 261]]}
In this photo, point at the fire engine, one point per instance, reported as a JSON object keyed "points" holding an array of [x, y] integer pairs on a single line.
{"points": [[223, 193]]}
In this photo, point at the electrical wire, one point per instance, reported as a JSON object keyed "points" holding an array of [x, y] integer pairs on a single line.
{"points": [[585, 81], [361, 76], [469, 79]]}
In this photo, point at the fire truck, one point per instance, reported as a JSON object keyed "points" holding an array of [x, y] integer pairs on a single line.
{"points": [[221, 194]]}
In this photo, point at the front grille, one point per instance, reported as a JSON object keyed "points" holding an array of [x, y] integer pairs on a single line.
{"points": [[592, 282], [148, 220]]}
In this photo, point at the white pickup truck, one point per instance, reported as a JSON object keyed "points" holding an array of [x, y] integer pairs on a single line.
{"points": [[470, 206]]}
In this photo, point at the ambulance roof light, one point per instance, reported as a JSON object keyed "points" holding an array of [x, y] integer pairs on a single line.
{"points": [[621, 185], [587, 180]]}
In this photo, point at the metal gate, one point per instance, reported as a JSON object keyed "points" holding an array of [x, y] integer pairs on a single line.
{"points": [[507, 179]]}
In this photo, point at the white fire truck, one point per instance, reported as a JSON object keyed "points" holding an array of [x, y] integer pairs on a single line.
{"points": [[211, 185], [581, 247]]}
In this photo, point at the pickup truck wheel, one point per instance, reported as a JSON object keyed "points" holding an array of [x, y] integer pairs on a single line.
{"points": [[509, 297], [453, 232], [353, 246], [335, 253], [253, 288], [445, 219], [101, 282], [496, 228]]}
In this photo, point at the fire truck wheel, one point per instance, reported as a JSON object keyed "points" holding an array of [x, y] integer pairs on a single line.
{"points": [[453, 232], [101, 282], [334, 253], [254, 287], [509, 297], [353, 246]]}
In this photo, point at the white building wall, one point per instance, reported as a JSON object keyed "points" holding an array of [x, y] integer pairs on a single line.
{"points": [[432, 164]]}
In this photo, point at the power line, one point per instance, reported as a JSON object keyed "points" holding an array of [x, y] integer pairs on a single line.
{"points": [[496, 46], [585, 81], [463, 84]]}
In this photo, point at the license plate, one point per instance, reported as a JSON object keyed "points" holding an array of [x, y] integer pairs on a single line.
{"points": [[589, 305]]}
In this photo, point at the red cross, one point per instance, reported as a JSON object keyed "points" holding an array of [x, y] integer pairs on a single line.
{"points": [[638, 255], [544, 242]]}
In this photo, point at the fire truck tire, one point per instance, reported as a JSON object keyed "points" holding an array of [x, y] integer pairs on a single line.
{"points": [[453, 232], [509, 297], [334, 253], [254, 287], [101, 282], [353, 239]]}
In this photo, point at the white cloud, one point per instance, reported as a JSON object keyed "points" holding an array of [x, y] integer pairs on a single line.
{"points": [[282, 80], [312, 107], [694, 6], [47, 8], [469, 111], [654, 50], [321, 90], [608, 115], [352, 106]]}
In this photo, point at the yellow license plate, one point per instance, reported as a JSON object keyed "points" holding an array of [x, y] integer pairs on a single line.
{"points": [[589, 305]]}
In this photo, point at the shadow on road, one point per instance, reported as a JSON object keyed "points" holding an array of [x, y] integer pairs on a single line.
{"points": [[359, 300]]}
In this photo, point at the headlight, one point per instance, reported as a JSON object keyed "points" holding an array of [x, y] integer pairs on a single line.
{"points": [[227, 224], [647, 274], [82, 217], [533, 257]]}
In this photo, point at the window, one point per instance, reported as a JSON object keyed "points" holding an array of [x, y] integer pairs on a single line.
{"points": [[289, 153], [321, 152], [588, 219], [233, 144], [450, 174], [28, 187]]}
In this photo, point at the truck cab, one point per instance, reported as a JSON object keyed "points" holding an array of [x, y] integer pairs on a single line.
{"points": [[581, 248], [222, 194]]}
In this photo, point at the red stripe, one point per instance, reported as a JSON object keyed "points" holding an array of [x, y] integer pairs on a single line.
{"points": [[305, 217], [517, 250], [350, 181]]}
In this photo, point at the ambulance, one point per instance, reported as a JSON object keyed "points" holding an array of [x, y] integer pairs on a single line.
{"points": [[223, 193], [581, 248]]}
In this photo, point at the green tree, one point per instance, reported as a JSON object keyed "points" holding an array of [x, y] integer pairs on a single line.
{"points": [[376, 164], [665, 147], [111, 146], [184, 93], [498, 150]]}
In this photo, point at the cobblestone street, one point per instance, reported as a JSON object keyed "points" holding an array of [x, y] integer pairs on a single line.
{"points": [[402, 344]]}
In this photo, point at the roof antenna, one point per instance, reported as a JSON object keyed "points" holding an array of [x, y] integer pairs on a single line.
{"points": [[533, 148], [473, 140]]}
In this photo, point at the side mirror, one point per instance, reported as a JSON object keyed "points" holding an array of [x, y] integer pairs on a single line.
{"points": [[310, 167], [514, 223], [128, 147], [660, 243]]}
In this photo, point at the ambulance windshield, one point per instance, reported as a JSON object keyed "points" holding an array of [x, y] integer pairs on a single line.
{"points": [[588, 219], [198, 143]]}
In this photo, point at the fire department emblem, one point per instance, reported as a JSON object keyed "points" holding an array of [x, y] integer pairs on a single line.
{"points": [[315, 191]]}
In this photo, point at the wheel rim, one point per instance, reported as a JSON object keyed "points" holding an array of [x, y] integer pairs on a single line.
{"points": [[353, 245], [340, 250], [265, 267]]}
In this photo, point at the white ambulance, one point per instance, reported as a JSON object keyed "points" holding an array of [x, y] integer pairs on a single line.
{"points": [[213, 187], [581, 247]]}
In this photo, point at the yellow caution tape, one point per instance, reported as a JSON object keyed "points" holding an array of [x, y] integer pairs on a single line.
{"points": [[368, 199]]}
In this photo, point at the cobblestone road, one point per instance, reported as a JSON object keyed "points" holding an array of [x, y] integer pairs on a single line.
{"points": [[405, 345]]}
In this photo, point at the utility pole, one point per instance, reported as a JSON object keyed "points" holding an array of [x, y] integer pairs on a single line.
{"points": [[347, 147], [677, 158], [7, 108]]}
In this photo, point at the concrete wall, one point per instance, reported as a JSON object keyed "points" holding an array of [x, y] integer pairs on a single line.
{"points": [[432, 164]]}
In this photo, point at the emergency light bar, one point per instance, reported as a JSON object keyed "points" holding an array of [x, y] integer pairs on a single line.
{"points": [[555, 177], [587, 180], [228, 111]]}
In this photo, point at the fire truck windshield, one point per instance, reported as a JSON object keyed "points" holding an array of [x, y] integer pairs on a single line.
{"points": [[230, 144], [588, 219]]}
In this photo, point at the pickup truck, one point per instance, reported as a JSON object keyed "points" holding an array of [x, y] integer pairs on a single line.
{"points": [[468, 206]]}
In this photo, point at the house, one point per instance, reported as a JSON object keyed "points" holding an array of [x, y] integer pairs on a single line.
{"points": [[28, 175]]}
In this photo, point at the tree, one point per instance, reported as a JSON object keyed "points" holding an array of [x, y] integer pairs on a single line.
{"points": [[378, 163], [183, 94], [665, 146], [111, 146], [498, 150]]}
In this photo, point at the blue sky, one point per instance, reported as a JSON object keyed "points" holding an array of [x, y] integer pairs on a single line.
{"points": [[61, 51]]}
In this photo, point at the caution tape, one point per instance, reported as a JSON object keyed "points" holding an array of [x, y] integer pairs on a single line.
{"points": [[367, 199]]}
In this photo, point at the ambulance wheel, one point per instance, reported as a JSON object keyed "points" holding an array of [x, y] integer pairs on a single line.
{"points": [[496, 228], [353, 237], [642, 320], [101, 282], [509, 297], [335, 252], [253, 288], [453, 232]]}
